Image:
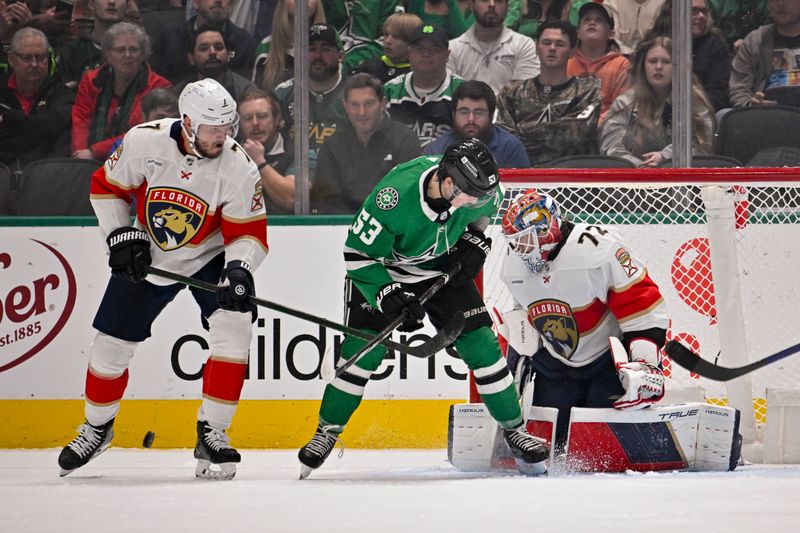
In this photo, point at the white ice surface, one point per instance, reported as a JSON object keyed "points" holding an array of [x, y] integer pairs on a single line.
{"points": [[148, 491]]}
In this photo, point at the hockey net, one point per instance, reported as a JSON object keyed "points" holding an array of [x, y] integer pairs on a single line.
{"points": [[676, 220]]}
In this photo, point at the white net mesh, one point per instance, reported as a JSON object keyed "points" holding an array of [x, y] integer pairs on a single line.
{"points": [[666, 226]]}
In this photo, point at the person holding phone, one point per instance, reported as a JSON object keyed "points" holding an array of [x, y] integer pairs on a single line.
{"points": [[13, 15]]}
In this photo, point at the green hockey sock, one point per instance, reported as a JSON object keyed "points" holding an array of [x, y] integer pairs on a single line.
{"points": [[481, 353], [343, 396]]}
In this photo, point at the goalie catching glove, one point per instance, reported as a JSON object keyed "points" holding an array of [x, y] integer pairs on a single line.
{"points": [[393, 299], [235, 294], [642, 379], [471, 251], [129, 253]]}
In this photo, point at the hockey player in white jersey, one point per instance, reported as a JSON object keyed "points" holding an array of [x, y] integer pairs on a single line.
{"points": [[574, 286], [199, 212]]}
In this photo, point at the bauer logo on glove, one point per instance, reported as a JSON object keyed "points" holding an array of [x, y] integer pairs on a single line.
{"points": [[237, 288]]}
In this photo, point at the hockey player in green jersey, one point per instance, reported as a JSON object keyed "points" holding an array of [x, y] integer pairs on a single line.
{"points": [[421, 219]]}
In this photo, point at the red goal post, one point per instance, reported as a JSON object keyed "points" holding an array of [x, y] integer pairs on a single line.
{"points": [[722, 244]]}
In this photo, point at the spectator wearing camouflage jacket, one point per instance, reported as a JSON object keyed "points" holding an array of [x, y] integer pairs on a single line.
{"points": [[553, 114]]}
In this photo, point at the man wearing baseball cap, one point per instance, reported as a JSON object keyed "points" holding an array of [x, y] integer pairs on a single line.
{"points": [[326, 87], [325, 33], [420, 99], [598, 55]]}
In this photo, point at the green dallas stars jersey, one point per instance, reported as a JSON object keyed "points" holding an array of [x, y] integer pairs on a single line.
{"points": [[396, 236]]}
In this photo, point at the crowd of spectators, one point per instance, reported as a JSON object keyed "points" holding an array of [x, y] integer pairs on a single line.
{"points": [[537, 80]]}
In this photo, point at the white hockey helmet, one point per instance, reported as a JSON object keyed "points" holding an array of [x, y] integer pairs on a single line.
{"points": [[207, 102]]}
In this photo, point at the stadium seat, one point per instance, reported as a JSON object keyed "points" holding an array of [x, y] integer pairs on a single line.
{"points": [[784, 95], [777, 156], [745, 131], [55, 187], [5, 189], [589, 161], [708, 161]]}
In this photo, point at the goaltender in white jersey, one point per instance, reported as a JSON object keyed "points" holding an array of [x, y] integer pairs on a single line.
{"points": [[593, 289], [574, 286], [199, 212]]}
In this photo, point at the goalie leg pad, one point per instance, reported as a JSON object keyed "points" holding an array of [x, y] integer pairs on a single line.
{"points": [[471, 437], [475, 442], [691, 436]]}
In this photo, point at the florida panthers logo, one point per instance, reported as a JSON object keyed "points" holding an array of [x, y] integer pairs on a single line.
{"points": [[555, 322], [174, 216]]}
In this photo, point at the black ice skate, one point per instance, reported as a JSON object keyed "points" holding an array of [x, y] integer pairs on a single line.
{"points": [[530, 453], [313, 454], [90, 442], [212, 449]]}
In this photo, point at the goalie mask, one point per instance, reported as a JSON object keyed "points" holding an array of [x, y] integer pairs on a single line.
{"points": [[532, 227], [207, 102], [473, 169]]}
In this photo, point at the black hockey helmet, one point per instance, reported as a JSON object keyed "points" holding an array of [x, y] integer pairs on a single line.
{"points": [[472, 167]]}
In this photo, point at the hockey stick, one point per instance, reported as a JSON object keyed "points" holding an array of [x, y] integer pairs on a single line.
{"points": [[694, 363], [423, 350], [448, 332]]}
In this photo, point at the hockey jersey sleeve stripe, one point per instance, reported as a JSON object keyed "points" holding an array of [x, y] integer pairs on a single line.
{"points": [[635, 300], [102, 186], [255, 228], [111, 202], [354, 255], [644, 312], [588, 317]]}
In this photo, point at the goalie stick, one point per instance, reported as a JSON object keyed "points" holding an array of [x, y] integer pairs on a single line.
{"points": [[426, 349], [694, 363], [448, 332]]}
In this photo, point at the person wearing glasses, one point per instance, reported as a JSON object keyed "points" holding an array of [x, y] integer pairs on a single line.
{"points": [[473, 108], [109, 97], [83, 53], [34, 107]]}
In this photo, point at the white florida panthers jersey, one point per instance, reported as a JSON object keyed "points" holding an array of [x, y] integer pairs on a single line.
{"points": [[193, 208], [595, 288]]}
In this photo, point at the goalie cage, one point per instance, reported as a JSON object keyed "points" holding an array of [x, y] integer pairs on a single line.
{"points": [[720, 243]]}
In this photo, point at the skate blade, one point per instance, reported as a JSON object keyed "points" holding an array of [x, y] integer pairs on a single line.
{"points": [[531, 469], [305, 471], [66, 472], [208, 470]]}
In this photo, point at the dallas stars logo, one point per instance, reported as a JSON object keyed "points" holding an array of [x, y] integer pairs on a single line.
{"points": [[349, 35], [387, 198]]}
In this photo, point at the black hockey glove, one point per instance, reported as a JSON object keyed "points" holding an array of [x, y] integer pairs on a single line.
{"points": [[129, 253], [471, 251], [235, 295], [393, 299]]}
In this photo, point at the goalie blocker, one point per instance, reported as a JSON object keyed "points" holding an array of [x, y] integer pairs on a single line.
{"points": [[690, 436]]}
